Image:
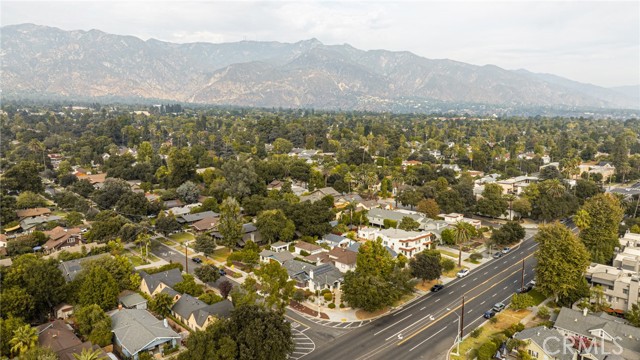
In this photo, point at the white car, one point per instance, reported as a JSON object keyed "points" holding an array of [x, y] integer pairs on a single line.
{"points": [[506, 250], [462, 273]]}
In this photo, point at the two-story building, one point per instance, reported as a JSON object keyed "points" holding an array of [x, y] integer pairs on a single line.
{"points": [[407, 243]]}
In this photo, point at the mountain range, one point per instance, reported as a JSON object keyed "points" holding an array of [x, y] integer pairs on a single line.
{"points": [[46, 61]]}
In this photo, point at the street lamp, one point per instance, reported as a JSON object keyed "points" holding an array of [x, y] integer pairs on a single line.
{"points": [[458, 339]]}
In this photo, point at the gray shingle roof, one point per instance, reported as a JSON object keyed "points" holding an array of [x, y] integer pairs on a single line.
{"points": [[190, 218], [540, 334], [70, 269], [131, 300], [188, 305], [575, 322], [136, 329], [169, 278]]}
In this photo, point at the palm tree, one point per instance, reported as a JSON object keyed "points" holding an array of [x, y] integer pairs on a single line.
{"points": [[510, 198], [555, 188], [24, 338], [88, 354], [348, 178], [370, 179], [461, 235]]}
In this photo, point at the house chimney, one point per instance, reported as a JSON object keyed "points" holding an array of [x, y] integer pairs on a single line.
{"points": [[166, 324], [119, 307], [584, 312]]}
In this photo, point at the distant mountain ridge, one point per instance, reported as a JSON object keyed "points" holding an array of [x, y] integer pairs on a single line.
{"points": [[45, 60]]}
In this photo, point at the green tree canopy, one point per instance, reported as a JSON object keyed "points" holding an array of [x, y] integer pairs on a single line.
{"points": [[275, 282], [230, 225], [426, 265], [274, 226], [100, 288], [601, 216]]}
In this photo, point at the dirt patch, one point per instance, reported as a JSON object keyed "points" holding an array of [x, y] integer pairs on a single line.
{"points": [[303, 309], [426, 286], [364, 315]]}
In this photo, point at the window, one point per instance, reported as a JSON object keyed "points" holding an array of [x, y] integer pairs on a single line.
{"points": [[533, 353], [625, 291]]}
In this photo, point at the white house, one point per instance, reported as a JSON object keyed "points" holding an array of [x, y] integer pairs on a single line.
{"points": [[407, 243]]}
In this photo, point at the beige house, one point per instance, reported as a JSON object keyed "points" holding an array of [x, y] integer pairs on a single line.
{"points": [[197, 315], [152, 284]]}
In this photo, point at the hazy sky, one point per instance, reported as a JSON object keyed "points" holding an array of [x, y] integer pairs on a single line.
{"points": [[594, 42]]}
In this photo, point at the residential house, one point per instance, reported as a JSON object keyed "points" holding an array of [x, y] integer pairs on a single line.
{"points": [[608, 332], [313, 277], [621, 287], [70, 269], [319, 194], [61, 238], [63, 311], [355, 247], [407, 243], [192, 218], [454, 218], [205, 224], [152, 284], [196, 314], [249, 232], [407, 163], [543, 343], [178, 211], [97, 180], [176, 203], [333, 241], [280, 246], [275, 185], [343, 259], [281, 257], [132, 300], [29, 224], [377, 216], [516, 185], [604, 168], [453, 167], [302, 246], [136, 331], [59, 337], [3, 241], [31, 213]]}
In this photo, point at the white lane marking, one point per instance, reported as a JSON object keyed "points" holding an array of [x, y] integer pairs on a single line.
{"points": [[437, 300], [422, 308], [402, 330], [515, 281], [531, 247], [427, 339], [451, 293], [475, 278], [463, 285], [495, 267], [482, 302], [505, 288], [485, 273], [468, 312], [405, 318], [494, 295]]}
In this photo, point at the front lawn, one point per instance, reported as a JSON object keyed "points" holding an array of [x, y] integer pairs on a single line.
{"points": [[537, 296], [506, 318], [221, 255], [182, 237], [452, 273]]}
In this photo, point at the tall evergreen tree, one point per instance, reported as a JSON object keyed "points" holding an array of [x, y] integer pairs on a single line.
{"points": [[598, 219]]}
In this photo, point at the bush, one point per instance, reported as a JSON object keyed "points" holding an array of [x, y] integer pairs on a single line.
{"points": [[304, 253], [476, 332], [328, 296], [163, 268], [475, 256], [332, 306], [325, 291], [341, 305], [298, 295], [493, 320], [447, 264], [388, 223], [543, 312], [487, 350]]}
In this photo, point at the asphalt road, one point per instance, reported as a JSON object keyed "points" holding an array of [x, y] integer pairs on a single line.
{"points": [[427, 327]]}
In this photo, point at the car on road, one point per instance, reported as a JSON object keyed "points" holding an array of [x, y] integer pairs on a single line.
{"points": [[197, 260], [437, 287], [497, 255], [506, 250], [462, 273], [222, 272], [532, 283], [525, 289], [498, 307], [489, 314]]}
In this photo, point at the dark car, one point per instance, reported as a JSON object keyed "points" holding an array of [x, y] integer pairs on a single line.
{"points": [[489, 314], [497, 255], [437, 287], [222, 272], [197, 260], [525, 289]]}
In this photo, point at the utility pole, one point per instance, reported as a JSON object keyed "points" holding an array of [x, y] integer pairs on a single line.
{"points": [[186, 259], [522, 287], [461, 321]]}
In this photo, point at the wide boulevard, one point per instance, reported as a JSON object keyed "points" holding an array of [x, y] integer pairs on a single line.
{"points": [[427, 327]]}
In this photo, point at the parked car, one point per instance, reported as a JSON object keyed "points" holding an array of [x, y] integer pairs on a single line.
{"points": [[489, 314], [524, 289], [498, 307], [506, 250], [497, 255], [222, 272], [462, 273], [437, 287], [197, 260], [532, 283]]}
